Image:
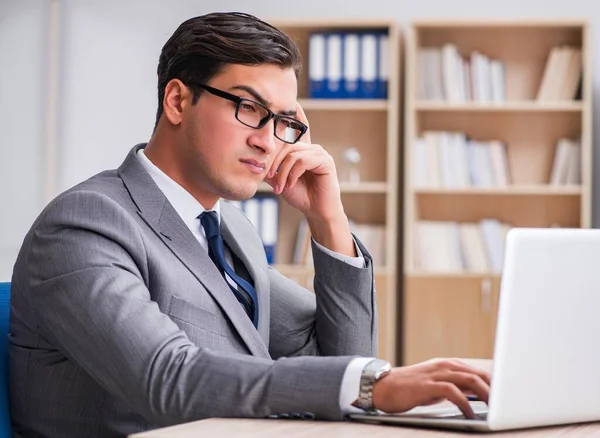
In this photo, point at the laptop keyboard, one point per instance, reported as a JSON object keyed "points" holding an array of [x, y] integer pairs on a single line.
{"points": [[479, 417], [447, 410]]}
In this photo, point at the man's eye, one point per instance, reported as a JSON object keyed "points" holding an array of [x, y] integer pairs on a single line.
{"points": [[247, 107]]}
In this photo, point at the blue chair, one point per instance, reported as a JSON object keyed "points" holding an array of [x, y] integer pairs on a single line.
{"points": [[5, 429]]}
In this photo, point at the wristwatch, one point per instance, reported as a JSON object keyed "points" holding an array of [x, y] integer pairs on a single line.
{"points": [[372, 372]]}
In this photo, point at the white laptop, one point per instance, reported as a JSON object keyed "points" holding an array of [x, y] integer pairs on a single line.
{"points": [[546, 368]]}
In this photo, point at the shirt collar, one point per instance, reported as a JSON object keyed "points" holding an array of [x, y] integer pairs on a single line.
{"points": [[182, 201]]}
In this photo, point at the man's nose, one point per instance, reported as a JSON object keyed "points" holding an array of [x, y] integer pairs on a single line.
{"points": [[264, 138]]}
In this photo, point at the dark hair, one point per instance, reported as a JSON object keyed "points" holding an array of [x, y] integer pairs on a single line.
{"points": [[202, 46]]}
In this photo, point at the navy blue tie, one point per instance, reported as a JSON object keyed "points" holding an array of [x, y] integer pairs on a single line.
{"points": [[216, 251]]}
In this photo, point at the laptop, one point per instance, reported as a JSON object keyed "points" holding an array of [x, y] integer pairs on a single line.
{"points": [[546, 366]]}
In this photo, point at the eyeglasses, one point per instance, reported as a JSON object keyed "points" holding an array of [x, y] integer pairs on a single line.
{"points": [[256, 115]]}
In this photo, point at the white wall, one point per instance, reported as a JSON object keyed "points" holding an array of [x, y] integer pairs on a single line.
{"points": [[23, 25], [109, 54]]}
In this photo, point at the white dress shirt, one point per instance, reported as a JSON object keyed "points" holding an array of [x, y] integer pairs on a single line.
{"points": [[189, 209]]}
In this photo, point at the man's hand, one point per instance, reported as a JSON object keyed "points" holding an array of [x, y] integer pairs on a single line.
{"points": [[304, 175], [431, 382]]}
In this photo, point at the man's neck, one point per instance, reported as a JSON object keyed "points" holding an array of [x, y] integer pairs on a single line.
{"points": [[161, 153]]}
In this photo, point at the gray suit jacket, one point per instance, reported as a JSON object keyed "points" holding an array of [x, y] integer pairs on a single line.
{"points": [[120, 322]]}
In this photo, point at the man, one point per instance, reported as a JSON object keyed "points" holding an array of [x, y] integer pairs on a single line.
{"points": [[140, 300]]}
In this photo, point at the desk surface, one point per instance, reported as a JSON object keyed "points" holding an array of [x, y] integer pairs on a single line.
{"points": [[239, 428], [249, 428]]}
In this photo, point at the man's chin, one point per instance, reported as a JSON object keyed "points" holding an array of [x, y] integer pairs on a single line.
{"points": [[241, 193]]}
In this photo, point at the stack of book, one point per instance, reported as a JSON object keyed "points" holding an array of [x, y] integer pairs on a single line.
{"points": [[453, 247], [566, 167], [562, 75], [445, 75], [451, 160]]}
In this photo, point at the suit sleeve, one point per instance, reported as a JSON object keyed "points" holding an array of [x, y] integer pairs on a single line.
{"points": [[86, 288], [339, 319]]}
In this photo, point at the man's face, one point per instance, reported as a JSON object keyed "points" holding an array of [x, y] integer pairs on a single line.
{"points": [[225, 158]]}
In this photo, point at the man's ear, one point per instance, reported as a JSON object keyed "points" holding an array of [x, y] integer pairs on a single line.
{"points": [[177, 98]]}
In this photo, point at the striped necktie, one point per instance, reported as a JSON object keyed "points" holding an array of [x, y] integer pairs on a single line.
{"points": [[216, 251]]}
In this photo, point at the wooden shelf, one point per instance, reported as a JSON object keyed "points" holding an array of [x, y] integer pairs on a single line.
{"points": [[344, 104], [534, 190], [448, 309], [310, 24], [514, 106], [498, 23], [366, 187], [349, 188], [372, 126]]}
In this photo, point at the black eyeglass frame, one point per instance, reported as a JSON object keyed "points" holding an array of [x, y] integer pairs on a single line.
{"points": [[270, 114]]}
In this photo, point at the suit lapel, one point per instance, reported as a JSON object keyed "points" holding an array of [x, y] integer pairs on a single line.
{"points": [[233, 236], [162, 218]]}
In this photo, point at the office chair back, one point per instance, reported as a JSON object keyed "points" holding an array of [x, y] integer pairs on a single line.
{"points": [[5, 429]]}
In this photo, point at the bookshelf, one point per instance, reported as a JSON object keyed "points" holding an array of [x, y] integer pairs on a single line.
{"points": [[371, 126], [450, 306]]}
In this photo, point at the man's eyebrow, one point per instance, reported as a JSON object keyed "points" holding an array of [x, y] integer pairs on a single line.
{"points": [[292, 113], [252, 92], [261, 99]]}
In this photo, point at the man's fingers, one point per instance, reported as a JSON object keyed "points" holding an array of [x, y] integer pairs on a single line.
{"points": [[295, 164], [461, 366], [456, 396], [467, 382], [295, 174], [277, 161], [457, 365], [291, 160]]}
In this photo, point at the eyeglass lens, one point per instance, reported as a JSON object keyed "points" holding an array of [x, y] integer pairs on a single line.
{"points": [[252, 114]]}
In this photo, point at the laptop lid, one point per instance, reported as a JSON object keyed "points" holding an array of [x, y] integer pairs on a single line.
{"points": [[546, 357], [546, 361]]}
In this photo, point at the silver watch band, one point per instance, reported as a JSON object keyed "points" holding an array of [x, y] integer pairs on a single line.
{"points": [[372, 372]]}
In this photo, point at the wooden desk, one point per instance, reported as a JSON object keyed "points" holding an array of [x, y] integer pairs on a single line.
{"points": [[249, 428], [222, 428]]}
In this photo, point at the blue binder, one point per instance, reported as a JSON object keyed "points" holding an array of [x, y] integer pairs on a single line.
{"points": [[317, 55], [383, 65], [334, 63], [368, 65], [351, 65]]}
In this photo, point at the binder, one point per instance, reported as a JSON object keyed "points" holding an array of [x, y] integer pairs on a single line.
{"points": [[333, 71], [316, 65], [383, 71], [368, 66], [351, 69]]}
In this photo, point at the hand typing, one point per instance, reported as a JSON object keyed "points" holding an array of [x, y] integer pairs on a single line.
{"points": [[431, 382]]}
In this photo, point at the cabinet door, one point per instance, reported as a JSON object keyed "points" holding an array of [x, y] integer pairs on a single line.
{"points": [[449, 317]]}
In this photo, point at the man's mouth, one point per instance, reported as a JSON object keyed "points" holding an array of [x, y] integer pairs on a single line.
{"points": [[255, 166]]}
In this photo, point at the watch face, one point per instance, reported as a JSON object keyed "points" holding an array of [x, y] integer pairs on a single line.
{"points": [[383, 368]]}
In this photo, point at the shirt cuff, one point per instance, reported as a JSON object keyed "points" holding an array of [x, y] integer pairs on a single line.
{"points": [[351, 384], [358, 262]]}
